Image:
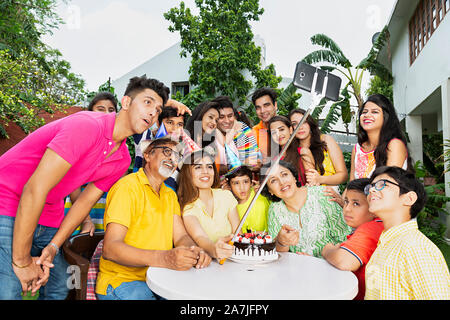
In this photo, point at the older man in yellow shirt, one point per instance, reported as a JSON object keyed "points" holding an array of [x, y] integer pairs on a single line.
{"points": [[142, 222], [406, 265]]}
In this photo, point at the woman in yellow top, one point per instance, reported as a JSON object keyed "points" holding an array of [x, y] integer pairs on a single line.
{"points": [[209, 213], [321, 156]]}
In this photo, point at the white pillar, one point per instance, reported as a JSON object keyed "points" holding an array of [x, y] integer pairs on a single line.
{"points": [[414, 130], [445, 94]]}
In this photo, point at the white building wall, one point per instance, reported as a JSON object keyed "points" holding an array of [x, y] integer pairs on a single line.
{"points": [[167, 67], [413, 84]]}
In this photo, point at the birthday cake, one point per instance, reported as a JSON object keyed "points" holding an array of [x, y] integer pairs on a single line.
{"points": [[255, 247]]}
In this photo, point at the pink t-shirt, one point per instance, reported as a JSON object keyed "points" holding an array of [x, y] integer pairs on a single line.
{"points": [[83, 139]]}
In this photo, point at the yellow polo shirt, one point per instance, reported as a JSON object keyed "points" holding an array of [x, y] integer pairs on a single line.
{"points": [[133, 203], [406, 265], [257, 218]]}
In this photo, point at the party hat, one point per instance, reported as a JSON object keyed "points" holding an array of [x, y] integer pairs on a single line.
{"points": [[190, 145], [232, 160], [162, 132]]}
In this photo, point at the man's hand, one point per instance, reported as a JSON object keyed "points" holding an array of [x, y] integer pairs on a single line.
{"points": [[182, 109], [203, 258], [45, 261], [181, 258], [88, 226], [29, 276]]}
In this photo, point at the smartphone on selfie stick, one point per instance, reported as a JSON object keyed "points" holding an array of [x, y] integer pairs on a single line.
{"points": [[321, 84]]}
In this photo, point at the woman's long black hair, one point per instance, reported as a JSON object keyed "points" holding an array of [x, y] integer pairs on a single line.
{"points": [[197, 115], [391, 129]]}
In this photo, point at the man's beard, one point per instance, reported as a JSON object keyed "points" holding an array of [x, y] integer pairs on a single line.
{"points": [[164, 171]]}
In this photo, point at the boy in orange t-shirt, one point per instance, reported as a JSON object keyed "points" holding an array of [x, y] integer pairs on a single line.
{"points": [[355, 253]]}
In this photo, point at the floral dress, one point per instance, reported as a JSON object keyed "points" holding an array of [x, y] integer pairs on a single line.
{"points": [[322, 222]]}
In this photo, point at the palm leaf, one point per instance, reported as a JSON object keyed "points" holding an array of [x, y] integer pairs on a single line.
{"points": [[287, 100], [327, 56], [370, 62], [286, 96], [376, 68], [318, 109], [346, 111], [331, 119], [328, 68], [326, 42]]}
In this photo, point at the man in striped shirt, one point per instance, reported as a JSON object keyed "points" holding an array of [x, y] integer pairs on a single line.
{"points": [[237, 135], [406, 265]]}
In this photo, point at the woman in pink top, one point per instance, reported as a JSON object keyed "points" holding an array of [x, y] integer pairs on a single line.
{"points": [[380, 139]]}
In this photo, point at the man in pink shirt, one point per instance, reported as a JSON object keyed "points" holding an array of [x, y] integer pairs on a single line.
{"points": [[37, 173]]}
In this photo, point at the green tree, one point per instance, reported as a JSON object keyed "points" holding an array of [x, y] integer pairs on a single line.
{"points": [[378, 85], [34, 78], [220, 42]]}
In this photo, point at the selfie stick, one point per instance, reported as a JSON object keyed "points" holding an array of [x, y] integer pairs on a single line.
{"points": [[315, 102]]}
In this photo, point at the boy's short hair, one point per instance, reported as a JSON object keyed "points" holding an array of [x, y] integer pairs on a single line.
{"points": [[239, 172], [407, 182], [265, 92], [358, 184], [169, 112], [139, 84]]}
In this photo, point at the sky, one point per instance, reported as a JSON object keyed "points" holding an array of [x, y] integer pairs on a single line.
{"points": [[103, 39]]}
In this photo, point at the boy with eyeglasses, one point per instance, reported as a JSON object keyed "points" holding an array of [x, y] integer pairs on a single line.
{"points": [[406, 265]]}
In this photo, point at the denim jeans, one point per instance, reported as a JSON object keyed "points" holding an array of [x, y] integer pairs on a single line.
{"points": [[134, 290], [10, 287]]}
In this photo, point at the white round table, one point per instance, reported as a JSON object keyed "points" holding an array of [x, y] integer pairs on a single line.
{"points": [[292, 276]]}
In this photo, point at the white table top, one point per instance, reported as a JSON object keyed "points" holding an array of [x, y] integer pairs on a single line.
{"points": [[292, 276]]}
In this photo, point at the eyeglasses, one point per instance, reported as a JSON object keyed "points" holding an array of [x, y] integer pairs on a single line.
{"points": [[168, 152], [379, 185]]}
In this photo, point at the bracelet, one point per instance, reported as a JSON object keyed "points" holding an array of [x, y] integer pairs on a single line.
{"points": [[54, 246], [21, 267]]}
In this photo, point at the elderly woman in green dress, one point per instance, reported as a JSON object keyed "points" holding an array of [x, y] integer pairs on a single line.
{"points": [[302, 219]]}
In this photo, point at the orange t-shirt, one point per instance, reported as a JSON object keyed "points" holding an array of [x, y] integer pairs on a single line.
{"points": [[362, 243], [261, 134]]}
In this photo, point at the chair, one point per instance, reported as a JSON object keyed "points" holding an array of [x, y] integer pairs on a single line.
{"points": [[78, 251]]}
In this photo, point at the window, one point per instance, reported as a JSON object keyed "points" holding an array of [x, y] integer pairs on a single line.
{"points": [[181, 87], [425, 20]]}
